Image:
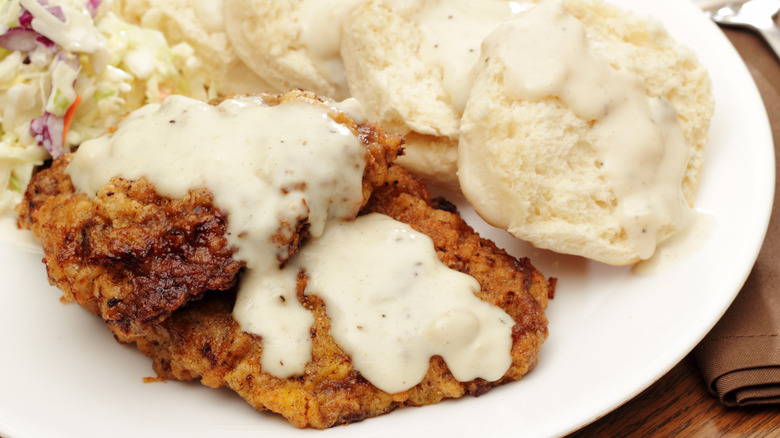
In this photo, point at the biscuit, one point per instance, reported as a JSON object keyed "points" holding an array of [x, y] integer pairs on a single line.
{"points": [[290, 44], [533, 166], [409, 64], [403, 92]]}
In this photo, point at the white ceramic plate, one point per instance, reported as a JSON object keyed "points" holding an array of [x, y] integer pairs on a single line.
{"points": [[612, 332]]}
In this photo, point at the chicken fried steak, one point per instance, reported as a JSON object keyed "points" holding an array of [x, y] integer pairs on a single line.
{"points": [[179, 276], [132, 255], [128, 254], [203, 341]]}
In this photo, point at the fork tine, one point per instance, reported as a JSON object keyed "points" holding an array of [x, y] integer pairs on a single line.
{"points": [[757, 15]]}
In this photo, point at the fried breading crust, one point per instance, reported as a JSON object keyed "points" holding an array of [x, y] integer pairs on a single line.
{"points": [[127, 254], [459, 247], [131, 255], [202, 341]]}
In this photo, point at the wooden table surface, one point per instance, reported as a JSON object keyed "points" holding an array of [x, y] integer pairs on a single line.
{"points": [[679, 404]]}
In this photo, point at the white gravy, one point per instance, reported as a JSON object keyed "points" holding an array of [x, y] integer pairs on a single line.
{"points": [[321, 28], [394, 304], [681, 246], [452, 34], [642, 150]]}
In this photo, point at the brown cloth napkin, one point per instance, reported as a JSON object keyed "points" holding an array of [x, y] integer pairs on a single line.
{"points": [[740, 358]]}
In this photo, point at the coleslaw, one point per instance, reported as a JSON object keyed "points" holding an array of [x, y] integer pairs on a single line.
{"points": [[69, 69]]}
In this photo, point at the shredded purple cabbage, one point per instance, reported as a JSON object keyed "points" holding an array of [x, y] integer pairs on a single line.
{"points": [[57, 12], [19, 39], [47, 131], [72, 61], [46, 43], [25, 19], [92, 6], [24, 38]]}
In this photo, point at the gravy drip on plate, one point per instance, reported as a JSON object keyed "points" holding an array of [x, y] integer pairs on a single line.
{"points": [[643, 154], [393, 304], [264, 171]]}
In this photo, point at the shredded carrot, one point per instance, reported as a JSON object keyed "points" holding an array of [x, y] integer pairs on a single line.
{"points": [[69, 116], [163, 93]]}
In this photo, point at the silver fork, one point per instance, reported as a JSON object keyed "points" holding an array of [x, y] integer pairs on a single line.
{"points": [[757, 15]]}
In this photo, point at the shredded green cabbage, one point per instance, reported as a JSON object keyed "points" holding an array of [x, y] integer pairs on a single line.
{"points": [[115, 67]]}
